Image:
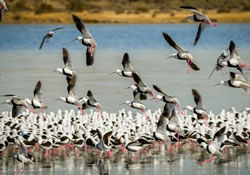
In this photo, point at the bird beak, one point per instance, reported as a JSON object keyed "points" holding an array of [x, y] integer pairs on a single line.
{"points": [[122, 104], [127, 88], [169, 57], [112, 73], [74, 40], [53, 71], [217, 84]]}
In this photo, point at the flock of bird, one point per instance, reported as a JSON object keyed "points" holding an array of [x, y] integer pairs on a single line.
{"points": [[107, 132]]}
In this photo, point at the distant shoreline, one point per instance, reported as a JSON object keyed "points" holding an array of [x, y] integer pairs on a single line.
{"points": [[111, 17]]}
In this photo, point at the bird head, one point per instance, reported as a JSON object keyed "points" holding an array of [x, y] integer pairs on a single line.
{"points": [[174, 55], [220, 83], [79, 38]]}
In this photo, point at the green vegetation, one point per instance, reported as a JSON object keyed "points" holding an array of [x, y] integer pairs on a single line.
{"points": [[123, 6]]}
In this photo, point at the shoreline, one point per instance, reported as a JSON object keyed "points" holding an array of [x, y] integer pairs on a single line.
{"points": [[110, 17]]}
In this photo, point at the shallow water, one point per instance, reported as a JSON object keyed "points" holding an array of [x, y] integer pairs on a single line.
{"points": [[184, 160], [22, 65]]}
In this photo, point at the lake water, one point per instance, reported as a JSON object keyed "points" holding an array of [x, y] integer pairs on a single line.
{"points": [[23, 64]]}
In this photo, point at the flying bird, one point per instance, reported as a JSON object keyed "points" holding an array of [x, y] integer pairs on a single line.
{"points": [[127, 68], [182, 54], [72, 98], [37, 102], [141, 86], [236, 81], [219, 65], [92, 102], [67, 70], [17, 103], [48, 36], [201, 18], [87, 39]]}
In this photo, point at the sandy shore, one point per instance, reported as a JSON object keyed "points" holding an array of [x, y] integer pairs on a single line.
{"points": [[112, 17]]}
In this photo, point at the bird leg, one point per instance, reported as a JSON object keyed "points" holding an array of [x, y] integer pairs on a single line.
{"points": [[44, 112], [244, 66], [36, 147], [85, 147], [205, 119], [22, 168], [123, 148], [46, 154], [145, 115], [182, 113], [246, 91], [155, 99], [29, 109], [82, 111], [207, 161], [91, 49], [165, 142], [99, 111], [188, 65]]}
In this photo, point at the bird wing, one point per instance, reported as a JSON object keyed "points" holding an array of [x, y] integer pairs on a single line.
{"points": [[158, 90], [66, 59], [237, 77], [8, 95], [1, 14], [173, 118], [192, 9], [91, 96], [197, 98], [233, 50], [37, 93], [219, 133], [81, 26], [210, 75], [16, 110], [106, 137], [168, 109], [71, 85], [142, 96], [89, 57], [138, 79], [59, 28], [126, 63], [44, 38], [201, 27], [194, 66], [172, 43]]}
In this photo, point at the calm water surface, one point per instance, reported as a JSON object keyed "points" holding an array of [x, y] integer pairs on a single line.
{"points": [[22, 65]]}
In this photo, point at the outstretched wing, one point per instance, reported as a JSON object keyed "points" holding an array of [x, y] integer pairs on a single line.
{"points": [[197, 97], [126, 63], [172, 43], [192, 9], [106, 137], [81, 26], [89, 56], [44, 38], [59, 28], [66, 59], [194, 66], [16, 110], [138, 79], [37, 89], [158, 89], [201, 27]]}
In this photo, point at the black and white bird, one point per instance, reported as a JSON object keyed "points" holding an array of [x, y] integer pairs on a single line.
{"points": [[201, 18], [199, 109], [214, 147], [141, 87], [3, 7], [48, 36], [182, 54], [236, 81], [17, 103], [127, 68], [87, 39], [92, 102], [137, 104], [234, 60], [166, 98], [37, 102], [104, 144], [72, 98], [220, 63], [67, 70], [23, 157]]}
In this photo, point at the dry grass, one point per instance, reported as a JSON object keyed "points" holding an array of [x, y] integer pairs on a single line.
{"points": [[112, 17]]}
